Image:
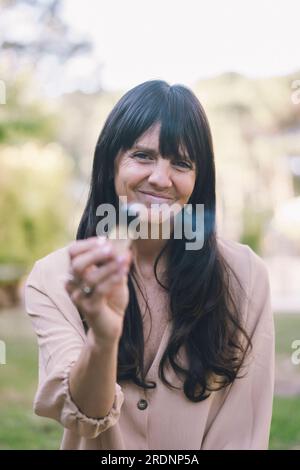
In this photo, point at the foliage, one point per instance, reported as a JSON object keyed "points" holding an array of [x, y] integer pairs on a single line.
{"points": [[35, 204]]}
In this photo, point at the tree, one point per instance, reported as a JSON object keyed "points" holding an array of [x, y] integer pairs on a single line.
{"points": [[49, 35]]}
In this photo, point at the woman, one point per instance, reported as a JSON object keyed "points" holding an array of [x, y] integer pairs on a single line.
{"points": [[202, 376]]}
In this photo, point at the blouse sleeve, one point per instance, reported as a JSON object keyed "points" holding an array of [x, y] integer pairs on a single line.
{"points": [[244, 418], [59, 347]]}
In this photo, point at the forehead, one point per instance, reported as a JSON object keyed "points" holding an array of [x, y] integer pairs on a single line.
{"points": [[150, 137], [150, 140]]}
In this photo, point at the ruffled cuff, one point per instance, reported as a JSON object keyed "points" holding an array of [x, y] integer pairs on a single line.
{"points": [[72, 418]]}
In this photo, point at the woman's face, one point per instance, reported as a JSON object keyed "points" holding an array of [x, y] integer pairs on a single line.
{"points": [[141, 170]]}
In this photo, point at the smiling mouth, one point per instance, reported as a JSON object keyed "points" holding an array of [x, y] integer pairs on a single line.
{"points": [[156, 196]]}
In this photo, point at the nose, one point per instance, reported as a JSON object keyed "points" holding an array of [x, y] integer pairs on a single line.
{"points": [[161, 174]]}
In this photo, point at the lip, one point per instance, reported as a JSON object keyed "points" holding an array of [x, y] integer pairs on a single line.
{"points": [[156, 196]]}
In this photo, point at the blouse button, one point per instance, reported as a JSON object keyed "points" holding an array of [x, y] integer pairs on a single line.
{"points": [[142, 404]]}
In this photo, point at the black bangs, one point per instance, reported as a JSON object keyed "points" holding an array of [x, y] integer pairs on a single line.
{"points": [[176, 138], [155, 102], [136, 112]]}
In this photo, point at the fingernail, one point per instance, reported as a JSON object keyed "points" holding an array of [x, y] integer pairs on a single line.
{"points": [[121, 259], [106, 250], [101, 239]]}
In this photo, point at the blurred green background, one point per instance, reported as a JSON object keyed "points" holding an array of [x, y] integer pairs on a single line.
{"points": [[47, 141]]}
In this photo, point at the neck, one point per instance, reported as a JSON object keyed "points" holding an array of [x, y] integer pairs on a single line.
{"points": [[144, 254], [147, 250]]}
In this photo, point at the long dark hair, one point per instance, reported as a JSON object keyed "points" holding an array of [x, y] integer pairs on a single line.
{"points": [[206, 319]]}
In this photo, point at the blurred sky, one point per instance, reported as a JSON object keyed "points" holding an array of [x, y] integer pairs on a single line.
{"points": [[183, 40], [176, 40]]}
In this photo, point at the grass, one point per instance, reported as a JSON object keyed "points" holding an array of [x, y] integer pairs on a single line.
{"points": [[285, 430], [21, 429]]}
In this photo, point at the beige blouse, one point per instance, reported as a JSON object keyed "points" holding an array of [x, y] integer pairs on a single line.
{"points": [[238, 417]]}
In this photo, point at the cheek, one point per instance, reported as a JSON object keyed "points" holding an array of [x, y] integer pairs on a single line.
{"points": [[128, 176], [186, 186], [131, 173]]}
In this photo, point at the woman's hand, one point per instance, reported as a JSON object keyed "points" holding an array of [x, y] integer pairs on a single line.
{"points": [[94, 264]]}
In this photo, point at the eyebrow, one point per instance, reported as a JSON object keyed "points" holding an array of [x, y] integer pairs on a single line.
{"points": [[146, 149], [154, 151]]}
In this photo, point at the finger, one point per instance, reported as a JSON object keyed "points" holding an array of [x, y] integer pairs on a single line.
{"points": [[81, 300], [128, 257], [105, 287], [70, 287], [76, 295], [83, 261], [94, 276], [81, 246], [69, 277]]}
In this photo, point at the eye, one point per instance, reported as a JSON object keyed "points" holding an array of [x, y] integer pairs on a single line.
{"points": [[142, 156], [184, 164]]}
